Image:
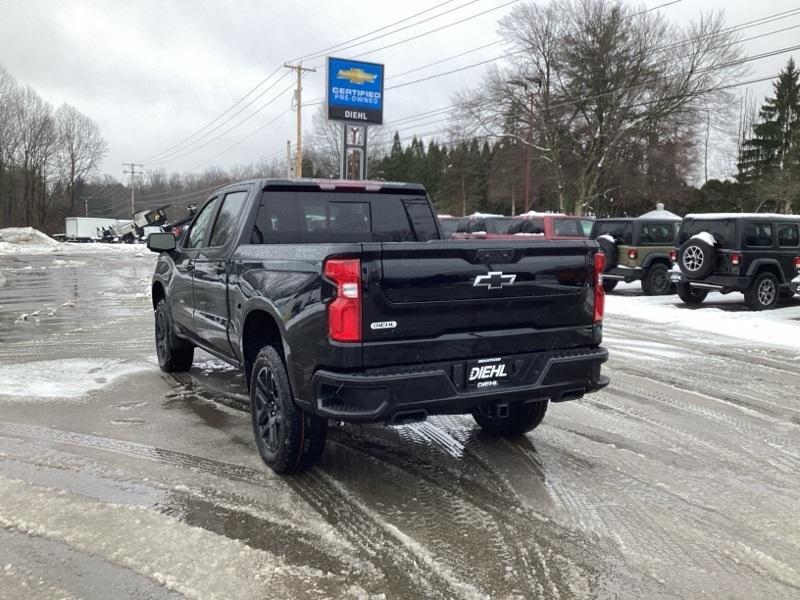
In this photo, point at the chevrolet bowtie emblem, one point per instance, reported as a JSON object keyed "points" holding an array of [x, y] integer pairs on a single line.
{"points": [[356, 76], [494, 280]]}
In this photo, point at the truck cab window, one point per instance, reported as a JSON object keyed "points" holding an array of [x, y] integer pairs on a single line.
{"points": [[226, 220], [197, 234]]}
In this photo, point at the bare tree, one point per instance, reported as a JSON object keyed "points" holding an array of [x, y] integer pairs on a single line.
{"points": [[609, 76], [323, 144], [9, 139], [81, 149]]}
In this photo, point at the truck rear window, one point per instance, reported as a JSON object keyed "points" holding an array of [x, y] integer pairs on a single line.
{"points": [[334, 217]]}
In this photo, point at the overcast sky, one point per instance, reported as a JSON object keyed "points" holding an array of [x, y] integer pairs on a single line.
{"points": [[151, 73]]}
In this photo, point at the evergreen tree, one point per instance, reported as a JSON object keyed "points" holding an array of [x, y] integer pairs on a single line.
{"points": [[766, 152]]}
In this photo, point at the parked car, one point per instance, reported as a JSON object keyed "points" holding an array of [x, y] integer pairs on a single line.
{"points": [[482, 227], [449, 225], [552, 226], [340, 300], [638, 249], [755, 254]]}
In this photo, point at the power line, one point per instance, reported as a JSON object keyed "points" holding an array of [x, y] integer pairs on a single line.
{"points": [[651, 9], [214, 139], [241, 141], [748, 59], [222, 114], [165, 156], [437, 29], [343, 45], [278, 69]]}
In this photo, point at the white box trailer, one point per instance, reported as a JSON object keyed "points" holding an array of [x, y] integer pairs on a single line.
{"points": [[86, 229]]}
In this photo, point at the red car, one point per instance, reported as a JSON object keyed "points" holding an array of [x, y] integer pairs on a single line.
{"points": [[547, 226]]}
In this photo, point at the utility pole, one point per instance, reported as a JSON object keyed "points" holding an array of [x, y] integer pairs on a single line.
{"points": [[288, 159], [525, 85], [85, 207], [298, 101], [131, 170]]}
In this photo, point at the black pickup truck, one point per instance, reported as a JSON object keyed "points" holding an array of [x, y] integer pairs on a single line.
{"points": [[340, 301]]}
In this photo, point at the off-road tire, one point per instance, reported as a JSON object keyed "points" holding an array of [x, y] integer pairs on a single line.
{"points": [[656, 280], [763, 293], [690, 295], [609, 285], [174, 354], [611, 250], [522, 418], [696, 258], [288, 439]]}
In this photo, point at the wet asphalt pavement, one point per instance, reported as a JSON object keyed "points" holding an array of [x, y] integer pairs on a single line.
{"points": [[119, 481]]}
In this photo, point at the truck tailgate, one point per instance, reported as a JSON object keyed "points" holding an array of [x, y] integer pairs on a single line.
{"points": [[449, 299]]}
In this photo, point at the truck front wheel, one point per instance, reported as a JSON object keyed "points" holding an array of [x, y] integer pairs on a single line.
{"points": [[288, 439], [173, 355], [521, 419]]}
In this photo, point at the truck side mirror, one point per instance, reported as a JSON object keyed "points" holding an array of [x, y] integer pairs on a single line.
{"points": [[161, 242]]}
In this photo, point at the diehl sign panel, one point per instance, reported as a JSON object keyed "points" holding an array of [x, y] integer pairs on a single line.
{"points": [[355, 91]]}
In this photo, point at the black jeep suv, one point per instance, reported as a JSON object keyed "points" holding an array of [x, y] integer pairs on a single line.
{"points": [[756, 254]]}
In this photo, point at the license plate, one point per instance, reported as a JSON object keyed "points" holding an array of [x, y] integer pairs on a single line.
{"points": [[488, 372], [675, 277]]}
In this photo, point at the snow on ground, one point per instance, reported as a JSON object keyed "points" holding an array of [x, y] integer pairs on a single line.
{"points": [[719, 314], [27, 240], [68, 378]]}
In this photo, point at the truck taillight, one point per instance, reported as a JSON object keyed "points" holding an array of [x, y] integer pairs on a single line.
{"points": [[599, 292], [344, 312], [633, 253], [673, 255], [736, 260], [797, 262]]}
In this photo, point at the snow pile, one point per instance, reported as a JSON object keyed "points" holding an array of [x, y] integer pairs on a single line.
{"points": [[719, 315], [19, 240], [70, 378], [706, 237], [27, 240]]}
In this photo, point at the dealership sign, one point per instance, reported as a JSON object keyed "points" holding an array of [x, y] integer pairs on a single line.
{"points": [[355, 91]]}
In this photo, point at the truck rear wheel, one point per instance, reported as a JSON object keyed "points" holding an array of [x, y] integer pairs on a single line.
{"points": [[173, 354], [288, 439], [521, 419]]}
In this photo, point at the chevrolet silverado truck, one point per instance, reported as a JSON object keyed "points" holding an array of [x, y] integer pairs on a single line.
{"points": [[340, 301]]}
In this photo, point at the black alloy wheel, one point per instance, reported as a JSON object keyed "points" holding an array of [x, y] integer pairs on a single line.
{"points": [[269, 415], [174, 355], [288, 439]]}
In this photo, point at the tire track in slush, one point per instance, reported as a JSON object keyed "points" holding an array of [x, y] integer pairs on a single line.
{"points": [[400, 562], [638, 387], [518, 526], [436, 494]]}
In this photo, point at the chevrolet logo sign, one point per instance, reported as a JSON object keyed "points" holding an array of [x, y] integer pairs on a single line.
{"points": [[494, 280], [356, 76]]}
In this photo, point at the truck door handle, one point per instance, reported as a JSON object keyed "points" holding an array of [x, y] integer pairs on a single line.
{"points": [[220, 268], [190, 266]]}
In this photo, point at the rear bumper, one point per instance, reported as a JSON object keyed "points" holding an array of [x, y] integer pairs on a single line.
{"points": [[623, 273], [721, 283], [395, 394]]}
